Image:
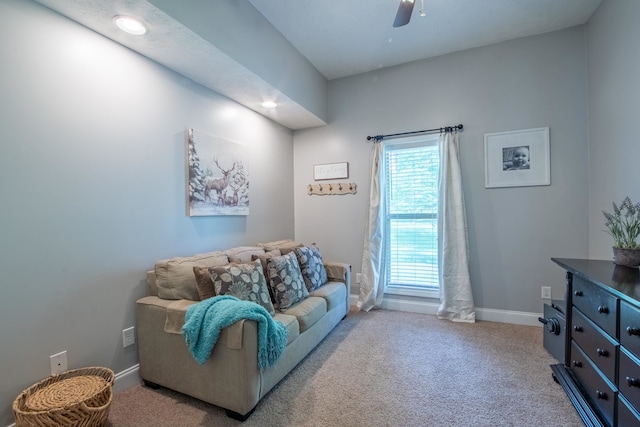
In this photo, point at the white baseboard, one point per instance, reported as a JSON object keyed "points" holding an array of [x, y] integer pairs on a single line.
{"points": [[398, 303], [128, 378]]}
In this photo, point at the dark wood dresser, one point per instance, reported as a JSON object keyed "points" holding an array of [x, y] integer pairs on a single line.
{"points": [[601, 369]]}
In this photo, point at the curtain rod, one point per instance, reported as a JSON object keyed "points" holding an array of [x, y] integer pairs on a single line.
{"points": [[378, 138]]}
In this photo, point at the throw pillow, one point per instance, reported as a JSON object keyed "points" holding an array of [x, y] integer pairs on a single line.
{"points": [[204, 284], [311, 266], [243, 281], [264, 257], [285, 281]]}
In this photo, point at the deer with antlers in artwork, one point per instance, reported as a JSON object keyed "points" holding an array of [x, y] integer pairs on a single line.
{"points": [[217, 184], [235, 184]]}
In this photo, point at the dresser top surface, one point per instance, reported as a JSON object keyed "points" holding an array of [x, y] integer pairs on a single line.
{"points": [[622, 281]]}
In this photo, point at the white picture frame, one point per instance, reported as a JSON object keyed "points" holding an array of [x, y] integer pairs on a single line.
{"points": [[517, 158], [331, 171]]}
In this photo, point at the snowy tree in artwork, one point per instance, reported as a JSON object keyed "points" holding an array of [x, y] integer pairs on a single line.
{"points": [[218, 176], [196, 176]]}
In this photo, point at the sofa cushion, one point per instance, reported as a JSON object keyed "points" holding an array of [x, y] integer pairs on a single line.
{"points": [[311, 266], [291, 323], [244, 281], [285, 246], [278, 244], [285, 280], [175, 278], [335, 293], [243, 253], [286, 249], [308, 312]]}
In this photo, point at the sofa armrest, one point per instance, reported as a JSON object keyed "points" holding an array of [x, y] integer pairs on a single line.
{"points": [[174, 312], [340, 272], [230, 378]]}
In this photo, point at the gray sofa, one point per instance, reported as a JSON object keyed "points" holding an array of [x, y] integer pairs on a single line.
{"points": [[230, 378]]}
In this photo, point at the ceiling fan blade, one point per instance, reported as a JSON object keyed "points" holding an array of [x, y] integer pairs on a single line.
{"points": [[404, 13]]}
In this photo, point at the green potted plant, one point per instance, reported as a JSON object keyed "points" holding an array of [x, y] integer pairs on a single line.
{"points": [[623, 224]]}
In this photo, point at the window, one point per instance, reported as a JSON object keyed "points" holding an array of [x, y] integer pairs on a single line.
{"points": [[411, 216]]}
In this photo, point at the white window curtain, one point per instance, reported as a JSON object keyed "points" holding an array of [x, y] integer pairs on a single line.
{"points": [[373, 263], [456, 298]]}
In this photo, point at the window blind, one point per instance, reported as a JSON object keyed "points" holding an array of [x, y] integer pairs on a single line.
{"points": [[411, 214]]}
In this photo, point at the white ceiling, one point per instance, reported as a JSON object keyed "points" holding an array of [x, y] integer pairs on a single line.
{"points": [[346, 37], [338, 37]]}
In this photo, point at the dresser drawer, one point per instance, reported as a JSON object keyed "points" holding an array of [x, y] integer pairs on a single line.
{"points": [[597, 304], [600, 348], [597, 389], [627, 416], [629, 378], [630, 327]]}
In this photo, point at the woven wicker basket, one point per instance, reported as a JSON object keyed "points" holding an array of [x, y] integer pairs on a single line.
{"points": [[79, 397]]}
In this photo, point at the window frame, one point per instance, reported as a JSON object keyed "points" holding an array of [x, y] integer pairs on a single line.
{"points": [[398, 289]]}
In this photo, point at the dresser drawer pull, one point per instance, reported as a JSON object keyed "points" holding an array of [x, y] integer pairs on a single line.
{"points": [[577, 364], [633, 331], [602, 352], [577, 328], [633, 382], [578, 293], [603, 310], [601, 395]]}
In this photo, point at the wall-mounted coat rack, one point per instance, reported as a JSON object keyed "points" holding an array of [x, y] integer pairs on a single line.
{"points": [[336, 188]]}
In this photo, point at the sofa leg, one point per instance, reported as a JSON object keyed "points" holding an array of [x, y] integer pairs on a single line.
{"points": [[151, 385], [237, 416]]}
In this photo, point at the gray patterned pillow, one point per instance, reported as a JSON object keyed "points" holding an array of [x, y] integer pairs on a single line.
{"points": [[311, 266], [285, 280], [244, 281]]}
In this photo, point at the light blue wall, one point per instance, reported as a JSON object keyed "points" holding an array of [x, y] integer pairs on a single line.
{"points": [[614, 111], [92, 170], [521, 84], [93, 189]]}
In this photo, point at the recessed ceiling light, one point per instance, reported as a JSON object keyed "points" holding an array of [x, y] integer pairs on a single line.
{"points": [[269, 104], [130, 25]]}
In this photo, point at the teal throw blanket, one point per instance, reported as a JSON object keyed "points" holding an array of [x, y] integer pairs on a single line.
{"points": [[205, 320]]}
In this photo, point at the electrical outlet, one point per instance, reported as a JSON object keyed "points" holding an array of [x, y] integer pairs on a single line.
{"points": [[58, 362], [128, 337], [546, 292], [358, 277]]}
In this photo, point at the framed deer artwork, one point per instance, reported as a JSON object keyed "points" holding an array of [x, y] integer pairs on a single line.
{"points": [[217, 176]]}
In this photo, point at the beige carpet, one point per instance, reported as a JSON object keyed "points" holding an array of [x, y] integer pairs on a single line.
{"points": [[388, 368]]}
